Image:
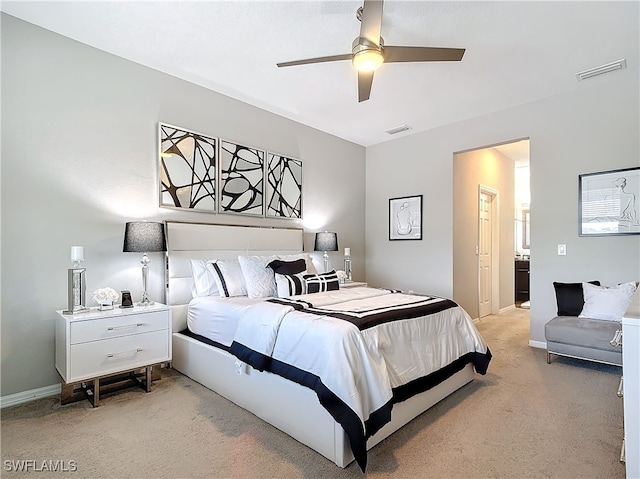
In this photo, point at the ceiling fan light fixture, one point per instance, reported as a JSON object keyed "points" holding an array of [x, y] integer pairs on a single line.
{"points": [[368, 51], [367, 56], [367, 60]]}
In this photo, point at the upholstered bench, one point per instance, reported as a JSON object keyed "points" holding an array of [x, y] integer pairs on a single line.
{"points": [[589, 316], [583, 338]]}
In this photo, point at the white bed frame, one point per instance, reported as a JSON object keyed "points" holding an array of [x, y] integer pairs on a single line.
{"points": [[292, 408]]}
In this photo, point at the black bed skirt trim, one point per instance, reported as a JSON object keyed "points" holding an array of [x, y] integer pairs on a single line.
{"points": [[480, 363]]}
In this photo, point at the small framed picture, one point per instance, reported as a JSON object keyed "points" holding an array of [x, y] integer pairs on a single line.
{"points": [[608, 203], [405, 218]]}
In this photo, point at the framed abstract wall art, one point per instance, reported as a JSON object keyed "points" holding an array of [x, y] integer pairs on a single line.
{"points": [[609, 202], [187, 169], [283, 187], [405, 218], [241, 187]]}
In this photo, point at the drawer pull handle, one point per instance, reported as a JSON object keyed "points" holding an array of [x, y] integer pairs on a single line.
{"points": [[111, 355], [620, 392], [113, 328], [617, 339]]}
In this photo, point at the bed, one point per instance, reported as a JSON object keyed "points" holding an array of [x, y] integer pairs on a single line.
{"points": [[294, 398]]}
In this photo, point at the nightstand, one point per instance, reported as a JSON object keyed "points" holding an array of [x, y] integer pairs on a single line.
{"points": [[105, 348], [352, 284]]}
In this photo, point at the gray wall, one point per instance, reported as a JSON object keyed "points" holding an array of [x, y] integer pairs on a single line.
{"points": [[79, 159], [593, 128]]}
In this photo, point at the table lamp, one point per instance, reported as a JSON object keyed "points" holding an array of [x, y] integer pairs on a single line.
{"points": [[144, 237], [326, 241]]}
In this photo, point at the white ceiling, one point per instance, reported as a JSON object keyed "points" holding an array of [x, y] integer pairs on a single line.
{"points": [[518, 151], [517, 52]]}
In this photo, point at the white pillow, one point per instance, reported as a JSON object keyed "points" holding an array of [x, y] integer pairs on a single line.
{"points": [[259, 278], [228, 277], [311, 269], [291, 284], [606, 303], [204, 283]]}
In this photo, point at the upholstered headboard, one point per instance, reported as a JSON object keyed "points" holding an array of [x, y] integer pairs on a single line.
{"points": [[186, 241]]}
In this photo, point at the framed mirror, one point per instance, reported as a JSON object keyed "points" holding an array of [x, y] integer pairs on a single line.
{"points": [[526, 243]]}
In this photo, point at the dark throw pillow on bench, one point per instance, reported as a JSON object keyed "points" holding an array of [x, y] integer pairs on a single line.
{"points": [[570, 298]]}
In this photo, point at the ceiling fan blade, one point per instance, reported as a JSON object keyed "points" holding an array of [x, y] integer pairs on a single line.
{"points": [[422, 54], [333, 58], [371, 21], [365, 80]]}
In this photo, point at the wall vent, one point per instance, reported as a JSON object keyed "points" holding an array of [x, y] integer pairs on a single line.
{"points": [[398, 129], [602, 69]]}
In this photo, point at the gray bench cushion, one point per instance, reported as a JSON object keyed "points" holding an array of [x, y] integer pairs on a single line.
{"points": [[583, 338]]}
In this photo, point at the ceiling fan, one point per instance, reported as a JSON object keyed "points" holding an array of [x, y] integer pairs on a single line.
{"points": [[369, 52]]}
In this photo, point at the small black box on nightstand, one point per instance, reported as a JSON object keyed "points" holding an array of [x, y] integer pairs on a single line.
{"points": [[127, 302]]}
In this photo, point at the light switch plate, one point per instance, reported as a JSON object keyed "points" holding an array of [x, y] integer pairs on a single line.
{"points": [[562, 249]]}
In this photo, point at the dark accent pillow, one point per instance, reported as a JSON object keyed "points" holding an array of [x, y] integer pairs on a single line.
{"points": [[290, 284], [570, 298], [288, 267], [317, 283]]}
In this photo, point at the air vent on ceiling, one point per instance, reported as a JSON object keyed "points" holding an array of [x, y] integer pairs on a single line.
{"points": [[602, 69], [398, 129]]}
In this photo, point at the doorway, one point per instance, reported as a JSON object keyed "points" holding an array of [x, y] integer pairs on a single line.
{"points": [[490, 290]]}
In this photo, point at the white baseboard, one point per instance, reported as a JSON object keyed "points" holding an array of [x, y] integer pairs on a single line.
{"points": [[537, 344], [507, 309], [31, 395], [500, 311]]}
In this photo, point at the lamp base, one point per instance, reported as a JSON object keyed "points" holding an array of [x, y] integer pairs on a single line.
{"points": [[145, 299], [77, 310], [145, 280]]}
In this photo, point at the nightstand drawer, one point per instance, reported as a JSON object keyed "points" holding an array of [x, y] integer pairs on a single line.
{"points": [[121, 325], [99, 358]]}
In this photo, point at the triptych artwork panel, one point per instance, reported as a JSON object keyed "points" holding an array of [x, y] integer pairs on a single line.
{"points": [[241, 179], [284, 187], [201, 173], [187, 169]]}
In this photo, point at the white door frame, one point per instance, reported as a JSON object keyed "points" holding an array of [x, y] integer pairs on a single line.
{"points": [[495, 248]]}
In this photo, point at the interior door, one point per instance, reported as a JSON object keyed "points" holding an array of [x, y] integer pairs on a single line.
{"points": [[485, 258]]}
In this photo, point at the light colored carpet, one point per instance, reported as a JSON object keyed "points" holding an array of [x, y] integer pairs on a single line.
{"points": [[524, 419]]}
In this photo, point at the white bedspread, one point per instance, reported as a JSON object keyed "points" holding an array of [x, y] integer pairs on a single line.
{"points": [[360, 363], [217, 318]]}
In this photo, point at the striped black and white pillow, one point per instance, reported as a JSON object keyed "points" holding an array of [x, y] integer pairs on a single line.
{"points": [[228, 277], [317, 283], [291, 284]]}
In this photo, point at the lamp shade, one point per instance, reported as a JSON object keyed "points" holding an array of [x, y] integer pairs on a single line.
{"points": [[326, 241], [144, 237]]}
